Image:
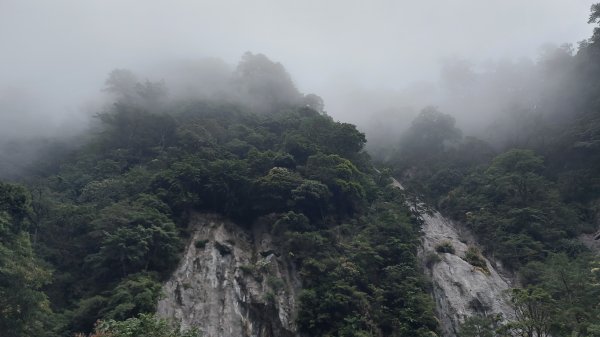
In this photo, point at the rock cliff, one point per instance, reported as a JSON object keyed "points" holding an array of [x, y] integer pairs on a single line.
{"points": [[231, 282], [460, 290]]}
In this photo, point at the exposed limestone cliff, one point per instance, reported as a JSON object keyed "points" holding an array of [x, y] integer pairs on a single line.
{"points": [[460, 289], [231, 282]]}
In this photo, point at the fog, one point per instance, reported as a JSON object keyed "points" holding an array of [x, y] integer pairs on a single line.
{"points": [[375, 63]]}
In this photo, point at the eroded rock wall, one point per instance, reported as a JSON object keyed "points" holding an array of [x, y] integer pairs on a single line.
{"points": [[231, 282], [460, 290]]}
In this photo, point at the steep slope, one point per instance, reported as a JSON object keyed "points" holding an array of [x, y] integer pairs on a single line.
{"points": [[230, 282], [113, 222], [460, 289]]}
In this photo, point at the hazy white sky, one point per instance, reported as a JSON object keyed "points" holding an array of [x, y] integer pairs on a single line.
{"points": [[61, 50]]}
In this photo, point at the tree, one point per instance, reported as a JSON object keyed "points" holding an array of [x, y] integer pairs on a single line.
{"points": [[314, 102], [274, 190], [516, 174], [533, 312], [135, 237], [142, 133], [431, 132], [122, 83], [127, 90], [141, 326], [264, 85], [24, 308], [136, 294], [312, 198], [481, 326], [594, 18], [343, 179], [428, 146]]}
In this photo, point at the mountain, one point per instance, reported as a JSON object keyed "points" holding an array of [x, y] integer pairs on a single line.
{"points": [[529, 205], [251, 219], [242, 209]]}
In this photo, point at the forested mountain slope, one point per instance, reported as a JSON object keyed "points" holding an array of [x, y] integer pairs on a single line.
{"points": [[527, 200], [109, 224], [240, 207]]}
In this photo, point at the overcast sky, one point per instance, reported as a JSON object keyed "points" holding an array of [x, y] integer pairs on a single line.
{"points": [[59, 52]]}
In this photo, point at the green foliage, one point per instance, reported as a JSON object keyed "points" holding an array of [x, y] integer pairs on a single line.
{"points": [[349, 186], [291, 222], [473, 256], [274, 190], [431, 132], [139, 293], [534, 314], [141, 326], [275, 283], [445, 247], [514, 210], [527, 205], [533, 309], [111, 221], [481, 326], [571, 285], [431, 259], [368, 284], [24, 308], [433, 158], [270, 297], [136, 236], [311, 197]]}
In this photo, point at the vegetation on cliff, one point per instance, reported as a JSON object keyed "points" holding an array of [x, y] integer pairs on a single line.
{"points": [[526, 200], [110, 221]]}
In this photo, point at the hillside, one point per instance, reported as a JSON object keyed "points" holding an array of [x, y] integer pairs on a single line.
{"points": [[109, 225], [530, 201], [221, 201]]}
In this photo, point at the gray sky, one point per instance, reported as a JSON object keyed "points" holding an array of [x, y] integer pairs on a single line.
{"points": [[57, 53]]}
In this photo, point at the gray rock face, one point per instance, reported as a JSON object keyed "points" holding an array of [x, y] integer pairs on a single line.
{"points": [[460, 290], [230, 283]]}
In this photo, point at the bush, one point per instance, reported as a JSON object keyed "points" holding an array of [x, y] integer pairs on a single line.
{"points": [[275, 283], [445, 247], [473, 256], [431, 259], [270, 297], [143, 325]]}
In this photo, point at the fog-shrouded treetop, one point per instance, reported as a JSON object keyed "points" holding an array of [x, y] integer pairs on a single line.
{"points": [[361, 57]]}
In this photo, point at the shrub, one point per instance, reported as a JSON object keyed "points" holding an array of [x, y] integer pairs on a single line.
{"points": [[445, 247], [473, 256], [431, 259], [143, 325], [275, 283], [252, 270], [270, 297]]}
